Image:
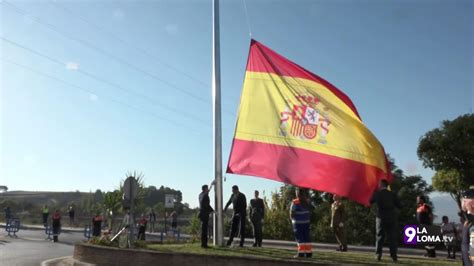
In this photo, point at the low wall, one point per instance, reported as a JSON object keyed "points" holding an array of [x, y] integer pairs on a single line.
{"points": [[100, 255]]}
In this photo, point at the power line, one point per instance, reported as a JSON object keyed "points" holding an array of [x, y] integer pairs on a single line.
{"points": [[111, 84], [247, 18], [101, 51], [92, 92], [114, 36]]}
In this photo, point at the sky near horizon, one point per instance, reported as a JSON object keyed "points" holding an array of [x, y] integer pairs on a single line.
{"points": [[93, 89]]}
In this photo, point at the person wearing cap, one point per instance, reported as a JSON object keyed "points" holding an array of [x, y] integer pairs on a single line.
{"points": [[239, 204], [300, 219], [204, 210], [386, 220], [468, 230]]}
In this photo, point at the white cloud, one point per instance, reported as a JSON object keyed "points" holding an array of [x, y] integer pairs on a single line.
{"points": [[72, 65], [172, 29], [93, 97]]}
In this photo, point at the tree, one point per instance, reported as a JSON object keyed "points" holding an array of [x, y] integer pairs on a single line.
{"points": [[449, 181], [112, 205], [451, 147]]}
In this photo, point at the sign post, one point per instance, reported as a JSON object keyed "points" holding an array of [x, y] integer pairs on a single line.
{"points": [[130, 191], [169, 204]]}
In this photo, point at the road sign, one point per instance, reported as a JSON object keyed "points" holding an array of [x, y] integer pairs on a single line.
{"points": [[130, 188], [169, 201]]}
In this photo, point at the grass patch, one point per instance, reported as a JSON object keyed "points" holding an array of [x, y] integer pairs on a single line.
{"points": [[319, 256]]}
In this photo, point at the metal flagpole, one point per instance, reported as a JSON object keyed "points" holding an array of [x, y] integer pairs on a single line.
{"points": [[216, 111]]}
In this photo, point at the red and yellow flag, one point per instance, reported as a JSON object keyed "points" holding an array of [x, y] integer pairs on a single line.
{"points": [[297, 128]]}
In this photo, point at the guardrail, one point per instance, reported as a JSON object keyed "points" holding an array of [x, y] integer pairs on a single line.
{"points": [[12, 227]]}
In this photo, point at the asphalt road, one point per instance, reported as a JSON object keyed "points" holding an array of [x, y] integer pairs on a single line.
{"points": [[31, 248]]}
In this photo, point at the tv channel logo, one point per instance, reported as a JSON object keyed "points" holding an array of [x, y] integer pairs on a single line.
{"points": [[413, 234], [409, 234]]}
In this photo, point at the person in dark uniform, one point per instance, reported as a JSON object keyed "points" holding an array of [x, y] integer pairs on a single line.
{"points": [[424, 216], [239, 203], [257, 213], [386, 221], [204, 210], [56, 225], [338, 219]]}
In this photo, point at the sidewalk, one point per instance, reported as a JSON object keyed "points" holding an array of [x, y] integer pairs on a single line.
{"points": [[268, 243]]}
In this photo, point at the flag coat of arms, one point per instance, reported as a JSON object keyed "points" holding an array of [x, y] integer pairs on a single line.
{"points": [[295, 127]]}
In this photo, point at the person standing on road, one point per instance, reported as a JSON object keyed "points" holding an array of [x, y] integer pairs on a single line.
{"points": [[300, 218], [386, 221], [338, 218], [204, 210], [152, 220], [424, 215], [257, 213], [8, 214], [97, 224], [45, 213], [71, 213], [56, 225], [239, 203]]}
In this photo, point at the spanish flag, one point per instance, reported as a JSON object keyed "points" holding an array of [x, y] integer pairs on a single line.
{"points": [[297, 128]]}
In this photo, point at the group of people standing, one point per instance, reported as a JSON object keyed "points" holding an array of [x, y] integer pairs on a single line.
{"points": [[239, 217], [386, 203]]}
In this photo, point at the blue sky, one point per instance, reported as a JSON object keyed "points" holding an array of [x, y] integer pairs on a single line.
{"points": [[126, 85]]}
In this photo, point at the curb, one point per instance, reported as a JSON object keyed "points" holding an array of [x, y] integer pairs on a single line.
{"points": [[64, 261]]}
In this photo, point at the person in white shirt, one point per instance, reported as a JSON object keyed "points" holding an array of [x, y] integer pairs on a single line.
{"points": [[448, 230]]}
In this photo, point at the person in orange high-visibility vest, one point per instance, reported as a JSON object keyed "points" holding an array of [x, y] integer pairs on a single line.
{"points": [[56, 225], [300, 218]]}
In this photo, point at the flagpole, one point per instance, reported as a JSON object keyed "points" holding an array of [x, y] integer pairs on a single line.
{"points": [[217, 128]]}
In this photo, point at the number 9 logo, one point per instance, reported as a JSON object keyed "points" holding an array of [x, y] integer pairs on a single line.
{"points": [[410, 232]]}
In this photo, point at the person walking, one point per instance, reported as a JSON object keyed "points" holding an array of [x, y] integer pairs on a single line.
{"points": [[300, 218], [448, 231], [204, 210], [239, 204], [386, 221], [152, 220], [424, 216], [97, 224], [71, 213], [338, 219], [45, 213], [257, 213], [56, 225]]}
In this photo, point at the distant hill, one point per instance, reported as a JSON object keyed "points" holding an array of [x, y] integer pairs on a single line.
{"points": [[43, 197]]}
